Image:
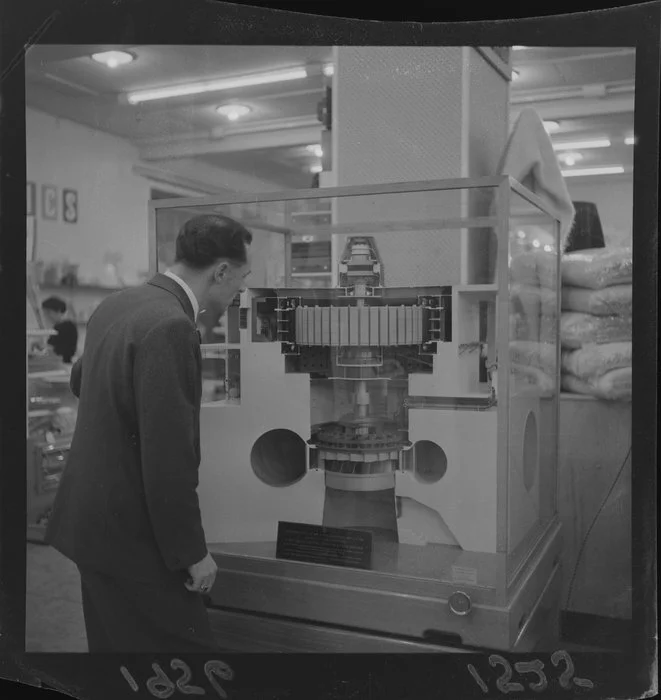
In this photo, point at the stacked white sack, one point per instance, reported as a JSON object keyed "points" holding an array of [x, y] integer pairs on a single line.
{"points": [[595, 327], [533, 318]]}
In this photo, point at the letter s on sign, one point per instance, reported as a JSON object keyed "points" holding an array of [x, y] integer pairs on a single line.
{"points": [[70, 206]]}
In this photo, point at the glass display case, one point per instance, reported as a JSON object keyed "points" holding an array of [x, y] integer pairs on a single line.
{"points": [[51, 416], [410, 392], [51, 420]]}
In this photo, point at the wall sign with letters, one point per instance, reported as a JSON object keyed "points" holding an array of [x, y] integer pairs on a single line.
{"points": [[50, 203]]}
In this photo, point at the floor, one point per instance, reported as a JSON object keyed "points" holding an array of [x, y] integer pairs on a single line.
{"points": [[54, 615]]}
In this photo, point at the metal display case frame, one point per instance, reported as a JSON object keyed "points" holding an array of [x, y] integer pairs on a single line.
{"points": [[261, 603]]}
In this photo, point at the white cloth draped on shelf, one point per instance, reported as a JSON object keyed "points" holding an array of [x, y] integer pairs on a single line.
{"points": [[530, 159]]}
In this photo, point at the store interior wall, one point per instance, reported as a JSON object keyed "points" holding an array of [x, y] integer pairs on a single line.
{"points": [[112, 199]]}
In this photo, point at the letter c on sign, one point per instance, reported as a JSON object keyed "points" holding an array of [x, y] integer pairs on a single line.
{"points": [[49, 202]]}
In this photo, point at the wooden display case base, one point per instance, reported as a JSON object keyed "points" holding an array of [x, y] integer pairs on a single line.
{"points": [[243, 632], [240, 632], [265, 606]]}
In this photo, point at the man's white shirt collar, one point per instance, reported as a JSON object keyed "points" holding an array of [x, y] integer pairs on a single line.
{"points": [[187, 289]]}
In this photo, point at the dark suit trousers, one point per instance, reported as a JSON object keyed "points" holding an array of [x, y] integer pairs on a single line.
{"points": [[134, 617]]}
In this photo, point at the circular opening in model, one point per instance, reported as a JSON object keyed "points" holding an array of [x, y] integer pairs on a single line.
{"points": [[278, 458], [431, 462], [530, 451]]}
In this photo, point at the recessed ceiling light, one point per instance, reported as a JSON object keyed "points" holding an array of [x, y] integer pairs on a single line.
{"points": [[113, 59], [519, 48], [570, 158], [329, 70], [233, 112], [630, 140], [316, 169], [576, 145], [316, 149], [610, 170], [551, 126]]}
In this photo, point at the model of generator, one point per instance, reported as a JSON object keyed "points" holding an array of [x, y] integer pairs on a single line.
{"points": [[412, 395]]}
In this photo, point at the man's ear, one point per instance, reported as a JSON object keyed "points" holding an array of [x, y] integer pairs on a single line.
{"points": [[220, 271]]}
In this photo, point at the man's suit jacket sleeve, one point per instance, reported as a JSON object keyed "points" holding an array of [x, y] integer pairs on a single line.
{"points": [[166, 376]]}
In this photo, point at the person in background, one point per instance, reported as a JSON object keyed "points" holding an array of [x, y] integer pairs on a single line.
{"points": [[65, 342], [127, 510]]}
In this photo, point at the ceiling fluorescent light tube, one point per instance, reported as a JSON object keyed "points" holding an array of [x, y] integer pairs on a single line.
{"points": [[217, 85], [583, 172], [578, 145]]}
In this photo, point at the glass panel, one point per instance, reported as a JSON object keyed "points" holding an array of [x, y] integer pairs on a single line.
{"points": [[533, 380], [52, 408], [359, 380], [265, 221], [310, 242], [52, 412], [52, 466], [432, 225]]}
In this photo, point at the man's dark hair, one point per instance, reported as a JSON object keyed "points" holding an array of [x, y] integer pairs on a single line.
{"points": [[54, 304], [207, 238]]}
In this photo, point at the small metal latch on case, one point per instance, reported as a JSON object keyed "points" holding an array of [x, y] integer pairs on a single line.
{"points": [[460, 603]]}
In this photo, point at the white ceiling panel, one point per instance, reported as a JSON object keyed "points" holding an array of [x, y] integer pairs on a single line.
{"points": [[64, 81], [604, 70], [156, 66]]}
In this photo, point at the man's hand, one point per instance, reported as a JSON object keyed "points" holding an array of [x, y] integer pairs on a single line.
{"points": [[202, 575]]}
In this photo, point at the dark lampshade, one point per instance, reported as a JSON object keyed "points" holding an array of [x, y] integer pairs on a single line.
{"points": [[586, 231]]}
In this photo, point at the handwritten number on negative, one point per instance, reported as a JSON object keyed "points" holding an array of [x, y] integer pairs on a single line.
{"points": [[535, 667], [218, 668], [160, 686], [473, 671], [129, 678], [503, 683], [182, 683], [531, 667], [568, 673]]}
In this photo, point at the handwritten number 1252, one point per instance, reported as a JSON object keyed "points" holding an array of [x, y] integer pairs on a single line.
{"points": [[161, 687], [536, 667]]}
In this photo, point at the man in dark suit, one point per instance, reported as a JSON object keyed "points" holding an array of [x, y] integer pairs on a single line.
{"points": [[127, 510]]}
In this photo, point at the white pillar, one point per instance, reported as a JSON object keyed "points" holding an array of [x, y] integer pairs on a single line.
{"points": [[408, 114]]}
